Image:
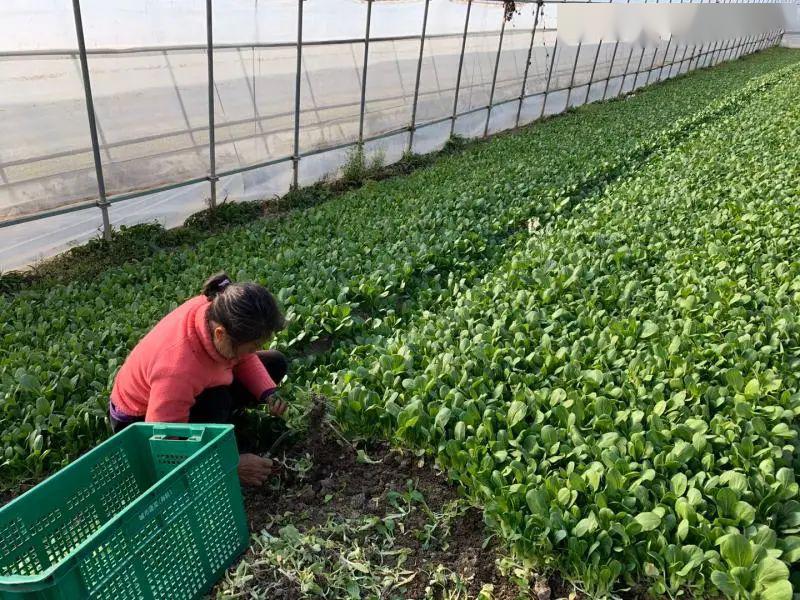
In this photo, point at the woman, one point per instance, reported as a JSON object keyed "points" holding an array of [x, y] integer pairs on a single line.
{"points": [[201, 364]]}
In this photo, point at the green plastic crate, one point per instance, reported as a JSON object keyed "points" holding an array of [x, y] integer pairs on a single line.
{"points": [[154, 512]]}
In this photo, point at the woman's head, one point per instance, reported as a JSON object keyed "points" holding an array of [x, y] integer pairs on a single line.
{"points": [[242, 316]]}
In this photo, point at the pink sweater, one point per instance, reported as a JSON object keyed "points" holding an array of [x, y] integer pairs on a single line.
{"points": [[175, 362]]}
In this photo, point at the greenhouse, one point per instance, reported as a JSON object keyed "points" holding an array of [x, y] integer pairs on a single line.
{"points": [[387, 299]]}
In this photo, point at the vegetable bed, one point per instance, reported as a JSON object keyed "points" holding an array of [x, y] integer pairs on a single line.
{"points": [[591, 323], [621, 392]]}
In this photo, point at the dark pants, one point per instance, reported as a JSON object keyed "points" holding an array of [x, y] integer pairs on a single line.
{"points": [[228, 403]]}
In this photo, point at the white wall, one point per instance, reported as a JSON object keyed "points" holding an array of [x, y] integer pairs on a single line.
{"points": [[686, 23]]}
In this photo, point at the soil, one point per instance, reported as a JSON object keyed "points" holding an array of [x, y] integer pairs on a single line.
{"points": [[340, 486], [356, 489]]}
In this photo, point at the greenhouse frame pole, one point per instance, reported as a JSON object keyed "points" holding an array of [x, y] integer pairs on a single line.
{"points": [[740, 44], [594, 68], [745, 46], [740, 48], [297, 86], [528, 63], [684, 59], [494, 76], [717, 54], [460, 68], [419, 77], [664, 60], [653, 62], [748, 46], [212, 146], [735, 49], [703, 55], [572, 77], [364, 77], [708, 56], [671, 62], [102, 201], [549, 77], [610, 69], [679, 62], [692, 56], [638, 69], [722, 52], [697, 58], [625, 73]]}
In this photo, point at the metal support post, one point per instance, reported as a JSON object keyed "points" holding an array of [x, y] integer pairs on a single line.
{"points": [[594, 68], [298, 75], [610, 69], [728, 52], [528, 62], [625, 73], [743, 46], [678, 62], [671, 62], [689, 60], [697, 58], [419, 76], [638, 69], [494, 76], [652, 64], [735, 49], [718, 54], [724, 52], [212, 150], [664, 60], [710, 55], [460, 68], [549, 77], [753, 43], [364, 77], [102, 201], [572, 77]]}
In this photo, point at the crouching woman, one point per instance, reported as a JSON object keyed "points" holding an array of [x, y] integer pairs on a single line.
{"points": [[202, 363]]}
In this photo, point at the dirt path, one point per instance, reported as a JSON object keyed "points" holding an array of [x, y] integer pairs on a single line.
{"points": [[371, 522]]}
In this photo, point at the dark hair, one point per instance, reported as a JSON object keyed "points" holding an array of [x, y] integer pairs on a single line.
{"points": [[247, 311]]}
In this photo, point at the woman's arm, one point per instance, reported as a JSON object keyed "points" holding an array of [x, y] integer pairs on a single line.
{"points": [[255, 377]]}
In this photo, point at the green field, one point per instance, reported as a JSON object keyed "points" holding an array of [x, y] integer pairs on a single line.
{"points": [[591, 323]]}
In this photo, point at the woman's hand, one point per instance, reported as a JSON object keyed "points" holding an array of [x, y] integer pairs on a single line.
{"points": [[254, 469], [277, 407]]}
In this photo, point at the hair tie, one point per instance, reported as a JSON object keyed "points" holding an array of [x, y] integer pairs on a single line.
{"points": [[223, 284]]}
